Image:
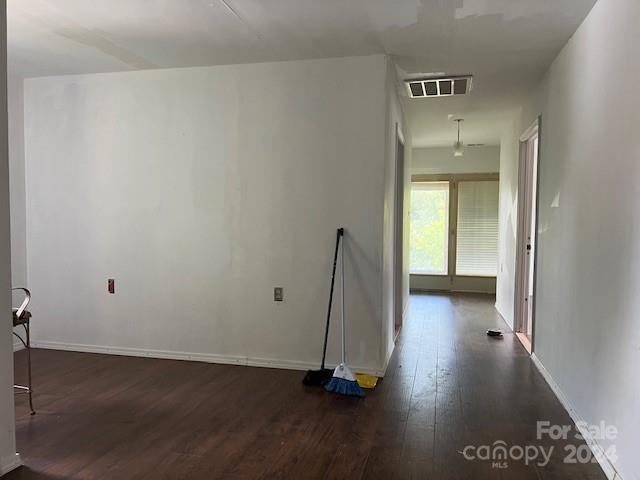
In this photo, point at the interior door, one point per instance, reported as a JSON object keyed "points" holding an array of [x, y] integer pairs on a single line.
{"points": [[530, 237], [399, 233], [525, 278]]}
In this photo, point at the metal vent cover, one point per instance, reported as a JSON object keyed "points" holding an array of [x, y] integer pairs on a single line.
{"points": [[439, 86]]}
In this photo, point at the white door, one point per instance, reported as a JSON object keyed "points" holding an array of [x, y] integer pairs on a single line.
{"points": [[528, 194], [399, 231]]}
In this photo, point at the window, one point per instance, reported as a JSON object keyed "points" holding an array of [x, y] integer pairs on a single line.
{"points": [[429, 242], [477, 229], [454, 228]]}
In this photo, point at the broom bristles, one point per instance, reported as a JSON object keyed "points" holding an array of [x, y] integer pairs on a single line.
{"points": [[317, 377], [344, 382]]}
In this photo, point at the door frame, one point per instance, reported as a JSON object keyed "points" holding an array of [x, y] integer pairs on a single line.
{"points": [[399, 221], [452, 282], [527, 202]]}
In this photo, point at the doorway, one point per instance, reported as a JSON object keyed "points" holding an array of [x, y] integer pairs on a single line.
{"points": [[399, 231], [527, 236]]}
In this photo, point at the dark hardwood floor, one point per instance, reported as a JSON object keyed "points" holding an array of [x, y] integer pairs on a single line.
{"points": [[448, 386]]}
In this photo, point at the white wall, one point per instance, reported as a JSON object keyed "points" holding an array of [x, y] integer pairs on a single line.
{"points": [[18, 206], [587, 333], [8, 457], [508, 220], [17, 181], [395, 118], [428, 161], [199, 190]]}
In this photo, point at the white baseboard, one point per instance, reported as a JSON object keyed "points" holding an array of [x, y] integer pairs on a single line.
{"points": [[381, 373], [504, 318], [450, 290], [506, 322], [10, 463], [598, 452], [194, 357]]}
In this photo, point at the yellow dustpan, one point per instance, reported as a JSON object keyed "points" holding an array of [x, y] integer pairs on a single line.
{"points": [[366, 381]]}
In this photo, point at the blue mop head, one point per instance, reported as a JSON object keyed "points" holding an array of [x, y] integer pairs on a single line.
{"points": [[344, 382]]}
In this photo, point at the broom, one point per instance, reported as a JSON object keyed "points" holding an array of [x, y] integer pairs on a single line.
{"points": [[322, 376], [343, 381]]}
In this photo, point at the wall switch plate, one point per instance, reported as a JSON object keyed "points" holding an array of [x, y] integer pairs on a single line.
{"points": [[278, 294], [111, 285]]}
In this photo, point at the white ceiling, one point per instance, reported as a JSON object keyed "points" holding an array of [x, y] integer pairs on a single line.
{"points": [[506, 44]]}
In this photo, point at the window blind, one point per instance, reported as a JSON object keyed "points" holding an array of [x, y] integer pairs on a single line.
{"points": [[477, 232]]}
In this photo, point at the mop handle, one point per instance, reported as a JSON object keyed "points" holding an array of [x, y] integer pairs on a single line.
{"points": [[339, 234], [344, 359]]}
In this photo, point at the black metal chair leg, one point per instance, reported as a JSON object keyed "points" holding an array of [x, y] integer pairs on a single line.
{"points": [[26, 328], [21, 316]]}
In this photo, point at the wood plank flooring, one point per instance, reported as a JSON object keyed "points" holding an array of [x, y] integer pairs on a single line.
{"points": [[448, 385]]}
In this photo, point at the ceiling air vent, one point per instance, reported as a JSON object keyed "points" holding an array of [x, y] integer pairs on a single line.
{"points": [[439, 86]]}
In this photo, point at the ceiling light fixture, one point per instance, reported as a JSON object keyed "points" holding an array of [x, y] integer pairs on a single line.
{"points": [[458, 146]]}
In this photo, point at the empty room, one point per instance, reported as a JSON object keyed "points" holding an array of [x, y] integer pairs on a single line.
{"points": [[305, 239]]}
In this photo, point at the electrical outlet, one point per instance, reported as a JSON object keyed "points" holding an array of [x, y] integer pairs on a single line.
{"points": [[278, 294]]}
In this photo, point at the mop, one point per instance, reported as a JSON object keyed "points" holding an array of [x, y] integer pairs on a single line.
{"points": [[343, 381], [322, 376]]}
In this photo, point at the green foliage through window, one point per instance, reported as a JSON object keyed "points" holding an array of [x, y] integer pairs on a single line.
{"points": [[429, 227]]}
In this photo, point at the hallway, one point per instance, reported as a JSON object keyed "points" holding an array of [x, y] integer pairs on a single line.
{"points": [[449, 379], [448, 386]]}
